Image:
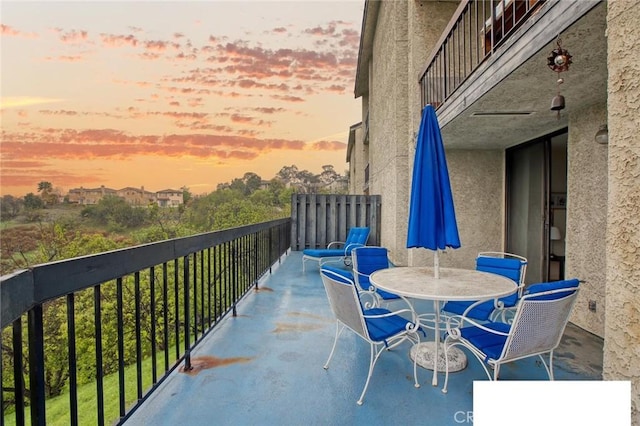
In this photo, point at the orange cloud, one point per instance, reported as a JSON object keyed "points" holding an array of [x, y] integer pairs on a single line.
{"points": [[112, 40], [111, 143], [7, 30], [72, 36], [328, 146], [64, 58]]}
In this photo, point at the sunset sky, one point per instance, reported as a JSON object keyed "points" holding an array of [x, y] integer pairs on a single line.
{"points": [[170, 94]]}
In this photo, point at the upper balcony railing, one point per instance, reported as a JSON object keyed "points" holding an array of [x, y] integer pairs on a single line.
{"points": [[119, 322], [477, 29]]}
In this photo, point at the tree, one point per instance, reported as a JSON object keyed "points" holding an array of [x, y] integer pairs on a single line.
{"points": [[45, 187], [186, 195], [46, 193], [252, 182], [33, 202], [10, 206]]}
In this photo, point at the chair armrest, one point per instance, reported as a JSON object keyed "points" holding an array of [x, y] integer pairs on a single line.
{"points": [[461, 320], [414, 316], [351, 246], [335, 243]]}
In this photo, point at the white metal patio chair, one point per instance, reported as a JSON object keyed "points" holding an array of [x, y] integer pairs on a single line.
{"points": [[508, 265], [366, 261], [538, 325], [380, 327]]}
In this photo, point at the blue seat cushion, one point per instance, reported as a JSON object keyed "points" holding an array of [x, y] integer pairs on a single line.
{"points": [[386, 295], [482, 312], [490, 344], [342, 272], [509, 268], [323, 252], [381, 329], [553, 285]]}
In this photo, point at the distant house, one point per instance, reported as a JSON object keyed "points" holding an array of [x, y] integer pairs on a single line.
{"points": [[133, 196], [136, 196], [89, 196], [169, 197]]}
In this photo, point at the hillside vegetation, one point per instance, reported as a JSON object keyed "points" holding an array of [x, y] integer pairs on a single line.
{"points": [[38, 228]]}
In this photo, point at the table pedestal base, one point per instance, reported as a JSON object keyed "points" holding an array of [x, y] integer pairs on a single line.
{"points": [[425, 352]]}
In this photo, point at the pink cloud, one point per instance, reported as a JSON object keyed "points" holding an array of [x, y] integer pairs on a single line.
{"points": [[113, 40], [72, 36], [7, 30]]}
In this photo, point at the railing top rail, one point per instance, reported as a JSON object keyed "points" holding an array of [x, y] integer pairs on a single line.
{"points": [[19, 292]]}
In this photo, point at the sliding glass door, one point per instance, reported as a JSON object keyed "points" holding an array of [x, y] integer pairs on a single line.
{"points": [[536, 201]]}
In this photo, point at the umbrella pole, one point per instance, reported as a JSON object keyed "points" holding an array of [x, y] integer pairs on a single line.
{"points": [[436, 265]]}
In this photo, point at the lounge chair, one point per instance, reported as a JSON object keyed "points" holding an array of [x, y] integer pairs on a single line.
{"points": [[337, 250]]}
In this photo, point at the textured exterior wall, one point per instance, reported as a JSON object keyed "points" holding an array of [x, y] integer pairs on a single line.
{"points": [[587, 215], [622, 325], [357, 163], [388, 115], [405, 33], [477, 182]]}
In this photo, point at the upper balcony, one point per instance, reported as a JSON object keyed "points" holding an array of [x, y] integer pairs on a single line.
{"points": [[489, 69], [220, 328]]}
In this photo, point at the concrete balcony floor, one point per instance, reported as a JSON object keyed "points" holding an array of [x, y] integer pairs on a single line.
{"points": [[265, 367]]}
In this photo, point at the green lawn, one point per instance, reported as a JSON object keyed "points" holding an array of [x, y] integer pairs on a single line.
{"points": [[58, 408]]}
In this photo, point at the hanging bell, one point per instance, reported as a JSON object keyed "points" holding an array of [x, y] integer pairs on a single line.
{"points": [[557, 103]]}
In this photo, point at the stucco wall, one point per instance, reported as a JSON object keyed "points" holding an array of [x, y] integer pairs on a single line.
{"points": [[357, 164], [587, 215], [622, 325], [388, 114], [477, 182], [404, 35]]}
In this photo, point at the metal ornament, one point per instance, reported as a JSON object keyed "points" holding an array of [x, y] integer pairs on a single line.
{"points": [[559, 61]]}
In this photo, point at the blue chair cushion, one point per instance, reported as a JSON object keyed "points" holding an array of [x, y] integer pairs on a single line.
{"points": [[382, 328], [342, 272], [358, 236], [482, 312], [490, 344], [370, 260], [509, 268], [553, 285], [323, 252]]}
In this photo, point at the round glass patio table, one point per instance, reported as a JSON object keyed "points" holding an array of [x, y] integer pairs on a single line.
{"points": [[453, 285]]}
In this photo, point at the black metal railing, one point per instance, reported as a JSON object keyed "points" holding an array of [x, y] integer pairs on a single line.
{"points": [[474, 33], [129, 317]]}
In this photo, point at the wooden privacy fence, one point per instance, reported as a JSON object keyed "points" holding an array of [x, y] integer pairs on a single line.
{"points": [[318, 219]]}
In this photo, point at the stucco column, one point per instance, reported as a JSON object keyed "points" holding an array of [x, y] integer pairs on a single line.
{"points": [[622, 318]]}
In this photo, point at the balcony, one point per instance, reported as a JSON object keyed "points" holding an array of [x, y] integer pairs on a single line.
{"points": [[249, 350], [477, 29], [277, 345]]}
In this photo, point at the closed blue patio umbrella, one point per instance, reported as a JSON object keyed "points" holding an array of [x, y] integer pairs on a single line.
{"points": [[432, 216]]}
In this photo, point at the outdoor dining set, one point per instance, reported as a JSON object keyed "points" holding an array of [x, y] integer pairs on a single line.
{"points": [[489, 311]]}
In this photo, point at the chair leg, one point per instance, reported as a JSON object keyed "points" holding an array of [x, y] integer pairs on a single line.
{"points": [[372, 363], [415, 370], [335, 342], [548, 367]]}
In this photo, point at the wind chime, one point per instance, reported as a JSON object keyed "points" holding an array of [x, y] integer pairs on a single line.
{"points": [[559, 61]]}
